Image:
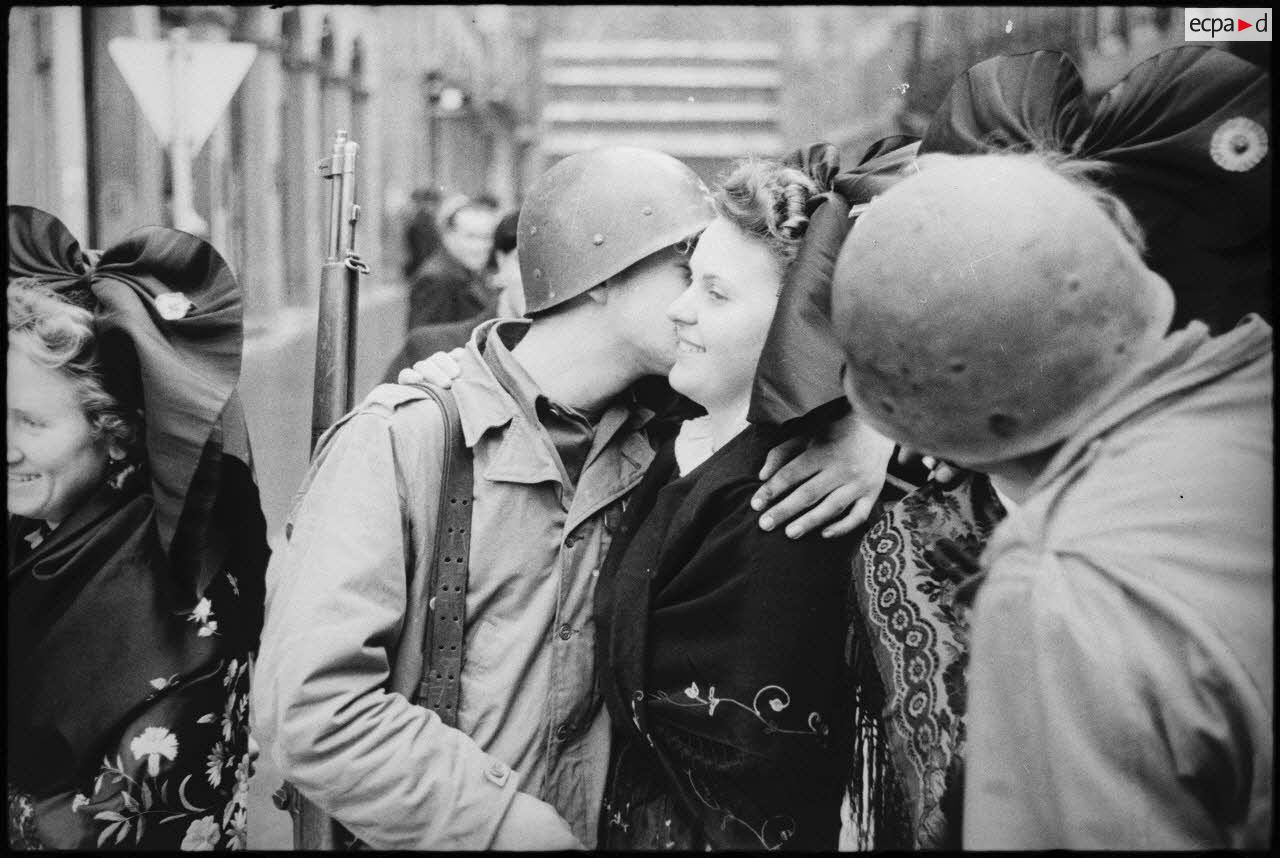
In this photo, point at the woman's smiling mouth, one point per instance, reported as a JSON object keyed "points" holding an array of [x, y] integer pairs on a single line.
{"points": [[685, 347]]}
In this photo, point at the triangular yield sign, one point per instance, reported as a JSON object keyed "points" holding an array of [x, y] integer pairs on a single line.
{"points": [[210, 77], [1242, 25]]}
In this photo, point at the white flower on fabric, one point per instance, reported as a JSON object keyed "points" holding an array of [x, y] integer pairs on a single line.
{"points": [[202, 835], [214, 765], [228, 717], [777, 705], [238, 828], [154, 743], [692, 691], [203, 611], [233, 670], [244, 771], [712, 700], [79, 801], [173, 305], [1238, 145]]}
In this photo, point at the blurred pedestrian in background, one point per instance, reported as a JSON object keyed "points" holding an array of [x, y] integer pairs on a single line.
{"points": [[136, 547], [451, 285], [421, 234], [502, 294]]}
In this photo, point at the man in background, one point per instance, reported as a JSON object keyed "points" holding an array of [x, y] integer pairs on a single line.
{"points": [[451, 285], [503, 286]]}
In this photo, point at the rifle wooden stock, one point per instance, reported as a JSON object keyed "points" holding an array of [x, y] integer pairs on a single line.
{"points": [[335, 347]]}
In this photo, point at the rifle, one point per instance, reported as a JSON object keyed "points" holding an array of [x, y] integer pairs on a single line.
{"points": [[334, 396], [339, 279]]}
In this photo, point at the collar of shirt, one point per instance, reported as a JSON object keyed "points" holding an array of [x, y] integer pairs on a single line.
{"points": [[525, 451]]}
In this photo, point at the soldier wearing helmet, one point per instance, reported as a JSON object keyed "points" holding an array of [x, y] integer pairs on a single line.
{"points": [[557, 444], [1121, 681]]}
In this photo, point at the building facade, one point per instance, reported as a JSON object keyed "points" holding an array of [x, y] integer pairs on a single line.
{"points": [[79, 145]]}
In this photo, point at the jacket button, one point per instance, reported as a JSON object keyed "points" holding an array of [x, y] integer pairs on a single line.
{"points": [[498, 773], [566, 632]]}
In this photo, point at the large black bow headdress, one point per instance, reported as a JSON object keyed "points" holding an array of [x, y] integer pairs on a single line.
{"points": [[1185, 139], [168, 326], [799, 369]]}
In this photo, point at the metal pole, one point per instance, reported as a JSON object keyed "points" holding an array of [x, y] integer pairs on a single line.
{"points": [[185, 216]]}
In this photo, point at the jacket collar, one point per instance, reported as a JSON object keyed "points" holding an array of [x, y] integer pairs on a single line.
{"points": [[1185, 359], [524, 453]]}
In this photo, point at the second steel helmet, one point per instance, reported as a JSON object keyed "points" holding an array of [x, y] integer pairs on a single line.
{"points": [[595, 213], [987, 306]]}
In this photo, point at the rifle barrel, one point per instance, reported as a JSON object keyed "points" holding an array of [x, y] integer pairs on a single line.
{"points": [[334, 391]]}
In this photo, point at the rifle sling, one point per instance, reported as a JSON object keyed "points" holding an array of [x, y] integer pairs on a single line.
{"points": [[440, 684]]}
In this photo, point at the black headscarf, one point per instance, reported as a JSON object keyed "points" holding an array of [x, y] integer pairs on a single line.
{"points": [[167, 322], [1186, 138], [798, 375]]}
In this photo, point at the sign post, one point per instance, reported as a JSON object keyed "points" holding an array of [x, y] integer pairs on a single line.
{"points": [[182, 87], [185, 216]]}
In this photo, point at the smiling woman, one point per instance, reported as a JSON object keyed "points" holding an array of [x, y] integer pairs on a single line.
{"points": [[136, 546], [722, 643], [64, 430]]}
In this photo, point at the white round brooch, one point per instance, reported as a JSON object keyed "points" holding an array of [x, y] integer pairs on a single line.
{"points": [[173, 305], [1239, 144]]}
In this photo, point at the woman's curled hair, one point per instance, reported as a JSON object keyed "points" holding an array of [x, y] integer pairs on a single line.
{"points": [[58, 334], [767, 199]]}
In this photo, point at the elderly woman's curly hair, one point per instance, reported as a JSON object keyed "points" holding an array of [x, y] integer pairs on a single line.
{"points": [[766, 199], [58, 334]]}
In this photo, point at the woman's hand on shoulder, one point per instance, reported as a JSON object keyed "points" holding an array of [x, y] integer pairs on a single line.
{"points": [[832, 480], [440, 369]]}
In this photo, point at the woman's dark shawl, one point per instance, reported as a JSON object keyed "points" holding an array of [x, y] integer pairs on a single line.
{"points": [[94, 619], [1185, 139], [696, 604]]}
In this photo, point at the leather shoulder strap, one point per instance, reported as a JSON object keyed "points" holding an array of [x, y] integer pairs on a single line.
{"points": [[440, 684]]}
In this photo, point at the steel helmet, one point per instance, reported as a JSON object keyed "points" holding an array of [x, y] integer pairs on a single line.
{"points": [[987, 305], [598, 212]]}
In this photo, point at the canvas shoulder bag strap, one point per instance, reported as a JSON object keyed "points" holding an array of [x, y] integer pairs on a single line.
{"points": [[440, 684]]}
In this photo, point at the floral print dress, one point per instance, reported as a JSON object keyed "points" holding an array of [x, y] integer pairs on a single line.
{"points": [[176, 778]]}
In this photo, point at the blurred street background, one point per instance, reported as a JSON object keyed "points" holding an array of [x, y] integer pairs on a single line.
{"points": [[476, 100]]}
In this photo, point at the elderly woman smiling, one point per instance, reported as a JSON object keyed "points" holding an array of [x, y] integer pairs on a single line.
{"points": [[135, 547], [65, 432]]}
